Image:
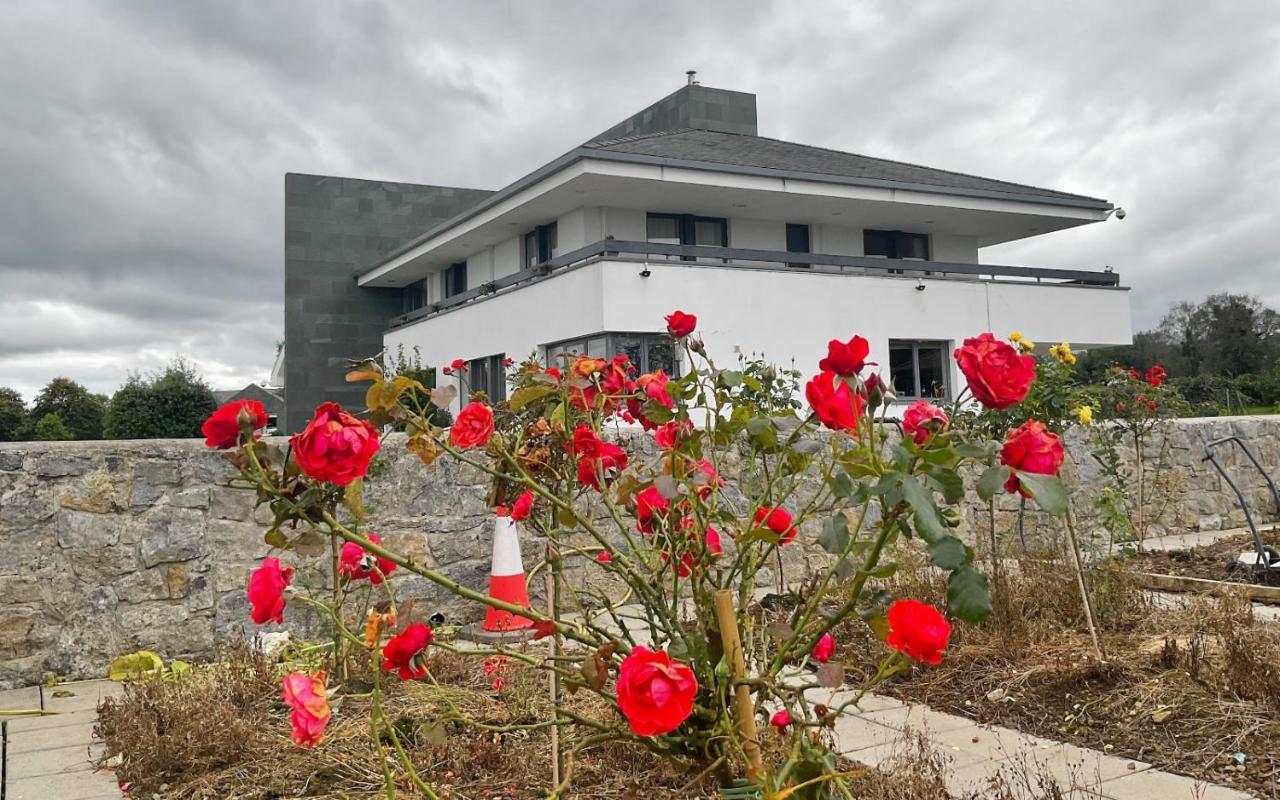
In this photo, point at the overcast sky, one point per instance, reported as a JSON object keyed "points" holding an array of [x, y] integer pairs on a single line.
{"points": [[143, 145]]}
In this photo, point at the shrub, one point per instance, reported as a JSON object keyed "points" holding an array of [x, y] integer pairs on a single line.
{"points": [[80, 411], [172, 404], [50, 428]]}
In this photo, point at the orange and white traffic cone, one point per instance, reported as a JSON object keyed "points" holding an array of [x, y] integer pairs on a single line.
{"points": [[506, 579]]}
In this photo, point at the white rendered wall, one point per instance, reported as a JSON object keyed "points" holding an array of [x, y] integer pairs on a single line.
{"points": [[506, 257], [784, 315], [957, 249]]}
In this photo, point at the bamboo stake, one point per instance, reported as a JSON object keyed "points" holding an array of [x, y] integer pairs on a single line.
{"points": [[1084, 592], [744, 709], [553, 608]]}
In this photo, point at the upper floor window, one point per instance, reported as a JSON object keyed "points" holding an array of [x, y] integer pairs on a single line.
{"points": [[797, 240], [539, 245], [896, 244], [688, 229], [453, 280], [918, 369], [414, 296]]}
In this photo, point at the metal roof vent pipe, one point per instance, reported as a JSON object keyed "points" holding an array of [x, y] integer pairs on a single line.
{"points": [[692, 76]]}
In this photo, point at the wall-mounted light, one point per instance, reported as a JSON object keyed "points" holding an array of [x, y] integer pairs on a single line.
{"points": [[920, 287]]}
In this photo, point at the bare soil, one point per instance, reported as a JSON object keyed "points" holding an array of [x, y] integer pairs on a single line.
{"points": [[1207, 561]]}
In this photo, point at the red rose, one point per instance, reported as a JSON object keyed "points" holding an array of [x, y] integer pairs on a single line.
{"points": [[1133, 373], [266, 591], [458, 365], [918, 630], [473, 427], [668, 436], [447, 370], [1156, 375], [553, 372], [355, 564], [997, 375], [680, 324], [824, 649], [506, 362], [600, 470], [654, 385], [407, 652], [1031, 447], [222, 428], [335, 446], [522, 506], [712, 540], [305, 694], [845, 358], [712, 478], [777, 520], [650, 504], [835, 403], [655, 694], [922, 419], [585, 442], [1152, 406], [604, 557], [780, 719]]}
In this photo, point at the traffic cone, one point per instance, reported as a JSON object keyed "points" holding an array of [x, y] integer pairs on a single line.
{"points": [[506, 579]]}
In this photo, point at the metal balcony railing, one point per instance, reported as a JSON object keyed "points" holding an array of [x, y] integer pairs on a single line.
{"points": [[748, 258]]}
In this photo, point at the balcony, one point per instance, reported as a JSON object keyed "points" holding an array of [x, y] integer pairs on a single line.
{"points": [[737, 258]]}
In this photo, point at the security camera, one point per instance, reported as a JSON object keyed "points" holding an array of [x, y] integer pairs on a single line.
{"points": [[920, 285], [1120, 213]]}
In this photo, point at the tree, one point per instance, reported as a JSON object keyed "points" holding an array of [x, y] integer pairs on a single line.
{"points": [[1226, 334], [50, 428], [13, 415], [79, 410], [172, 404]]}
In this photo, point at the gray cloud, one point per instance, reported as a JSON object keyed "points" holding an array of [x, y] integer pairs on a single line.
{"points": [[143, 144]]}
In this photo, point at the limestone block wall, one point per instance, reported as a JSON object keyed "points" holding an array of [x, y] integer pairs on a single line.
{"points": [[108, 547]]}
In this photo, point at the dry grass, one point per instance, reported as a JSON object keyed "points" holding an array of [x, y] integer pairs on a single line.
{"points": [[1184, 689]]}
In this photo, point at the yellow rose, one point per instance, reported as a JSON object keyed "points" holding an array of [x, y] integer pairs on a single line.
{"points": [[1015, 336], [1025, 345], [1084, 414]]}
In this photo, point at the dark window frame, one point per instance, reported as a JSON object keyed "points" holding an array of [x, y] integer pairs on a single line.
{"points": [[579, 345], [796, 231], [494, 374], [541, 243], [453, 280], [897, 243], [913, 393], [413, 296], [687, 225]]}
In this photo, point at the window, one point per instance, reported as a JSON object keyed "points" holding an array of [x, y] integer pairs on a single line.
{"points": [[797, 240], [453, 280], [487, 375], [647, 351], [896, 244], [918, 369], [414, 296], [540, 245], [688, 229]]}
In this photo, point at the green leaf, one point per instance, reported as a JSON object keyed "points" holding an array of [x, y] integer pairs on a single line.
{"points": [[992, 481], [884, 570], [928, 522], [758, 425], [1047, 490], [947, 481], [966, 450], [135, 666], [276, 538], [759, 535], [967, 594], [841, 485], [948, 553], [311, 544], [529, 394], [730, 378], [353, 498], [835, 534]]}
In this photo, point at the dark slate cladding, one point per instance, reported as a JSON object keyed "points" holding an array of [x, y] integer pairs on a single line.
{"points": [[700, 107], [333, 227], [758, 152]]}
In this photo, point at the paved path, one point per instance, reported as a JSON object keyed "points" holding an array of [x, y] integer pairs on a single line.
{"points": [[52, 757]]}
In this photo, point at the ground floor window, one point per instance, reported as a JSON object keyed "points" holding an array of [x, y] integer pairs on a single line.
{"points": [[487, 375], [919, 369], [647, 351]]}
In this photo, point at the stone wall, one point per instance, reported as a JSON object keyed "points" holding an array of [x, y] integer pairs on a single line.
{"points": [[109, 547]]}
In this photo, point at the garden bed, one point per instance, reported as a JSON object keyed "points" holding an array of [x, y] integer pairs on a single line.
{"points": [[1194, 691], [1208, 561]]}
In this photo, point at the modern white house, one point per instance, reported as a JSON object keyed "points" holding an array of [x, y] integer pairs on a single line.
{"points": [[776, 246]]}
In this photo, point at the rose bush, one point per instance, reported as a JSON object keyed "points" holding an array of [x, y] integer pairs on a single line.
{"points": [[735, 472]]}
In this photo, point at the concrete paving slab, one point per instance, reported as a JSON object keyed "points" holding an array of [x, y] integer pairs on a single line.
{"points": [[83, 718], [45, 738], [1167, 786], [55, 761], [79, 695], [77, 786], [12, 699], [919, 718]]}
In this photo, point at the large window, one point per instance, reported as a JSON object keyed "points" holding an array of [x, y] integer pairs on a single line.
{"points": [[896, 244], [453, 280], [540, 245], [919, 369], [487, 375], [414, 296], [647, 351], [797, 240], [688, 229]]}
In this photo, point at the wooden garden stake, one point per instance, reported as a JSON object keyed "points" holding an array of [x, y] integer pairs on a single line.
{"points": [[744, 710], [1084, 592], [553, 609]]}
